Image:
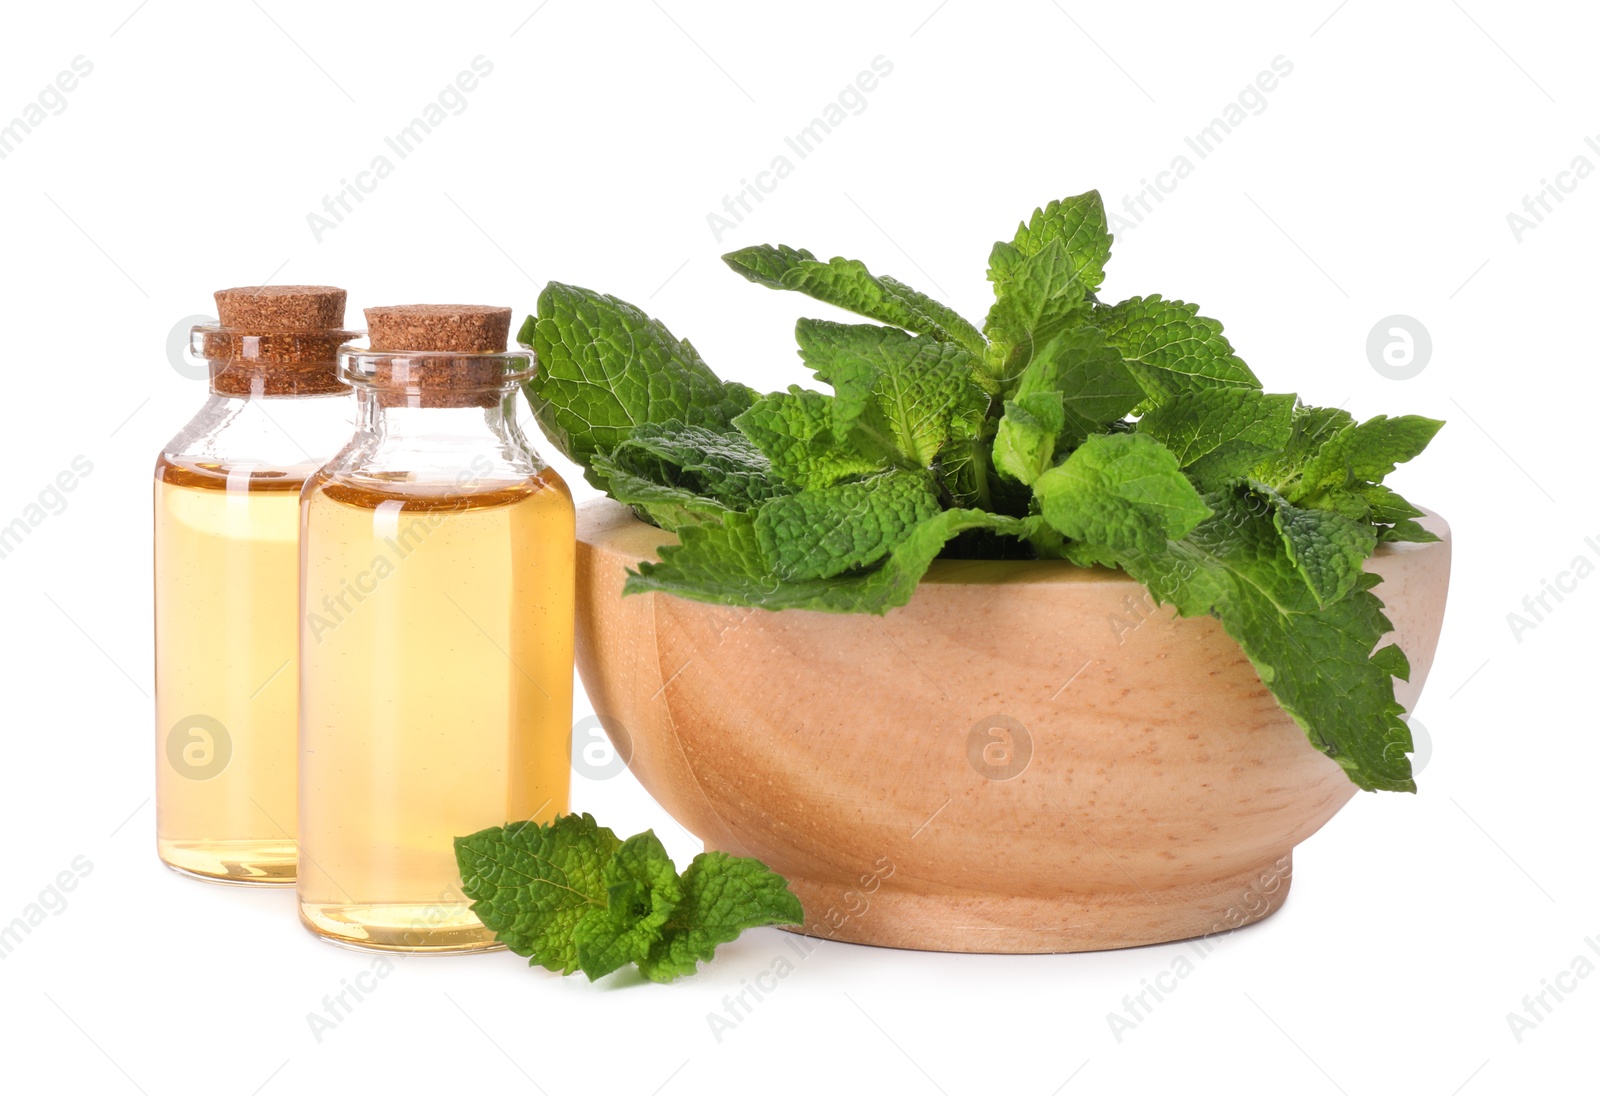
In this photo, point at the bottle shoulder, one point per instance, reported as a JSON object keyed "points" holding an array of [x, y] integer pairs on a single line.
{"points": [[276, 437]]}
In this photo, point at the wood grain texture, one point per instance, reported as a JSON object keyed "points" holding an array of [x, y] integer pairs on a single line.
{"points": [[1028, 757]]}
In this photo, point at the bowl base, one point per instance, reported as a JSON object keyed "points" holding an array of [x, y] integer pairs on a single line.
{"points": [[897, 917]]}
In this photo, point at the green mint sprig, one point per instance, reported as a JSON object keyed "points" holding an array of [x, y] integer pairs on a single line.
{"points": [[570, 895]]}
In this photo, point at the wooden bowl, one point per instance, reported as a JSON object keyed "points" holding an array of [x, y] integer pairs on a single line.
{"points": [[1028, 757]]}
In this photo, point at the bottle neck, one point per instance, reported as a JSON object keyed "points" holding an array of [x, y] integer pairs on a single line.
{"points": [[258, 380], [465, 446], [403, 417], [289, 363]]}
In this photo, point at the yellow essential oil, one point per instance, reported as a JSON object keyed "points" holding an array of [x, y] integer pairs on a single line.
{"points": [[437, 701], [226, 563]]}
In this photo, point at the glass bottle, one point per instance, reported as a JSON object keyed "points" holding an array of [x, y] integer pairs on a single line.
{"points": [[227, 492], [436, 632]]}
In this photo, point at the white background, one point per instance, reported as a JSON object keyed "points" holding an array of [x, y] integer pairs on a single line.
{"points": [[1376, 181]]}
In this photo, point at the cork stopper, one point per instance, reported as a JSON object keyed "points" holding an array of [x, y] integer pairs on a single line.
{"points": [[456, 344], [268, 309], [277, 340], [466, 328]]}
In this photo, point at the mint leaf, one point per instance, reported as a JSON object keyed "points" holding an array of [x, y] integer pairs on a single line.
{"points": [[795, 431], [1381, 443], [604, 368], [893, 583], [766, 264], [908, 393], [1073, 387], [944, 318], [1096, 387], [722, 896], [1368, 451], [1319, 661], [1219, 434], [1043, 293], [1327, 548], [531, 884], [661, 505], [1407, 530], [964, 469], [1392, 661], [1197, 424], [1079, 225], [1122, 491], [1170, 348], [724, 564], [1385, 505], [848, 284], [1025, 442], [819, 534], [642, 891], [1041, 288], [678, 474], [1004, 259], [1310, 428], [1331, 463]]}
